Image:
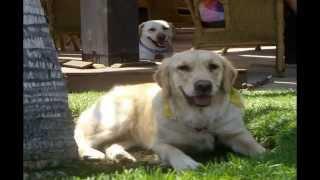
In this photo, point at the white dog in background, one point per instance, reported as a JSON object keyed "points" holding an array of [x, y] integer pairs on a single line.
{"points": [[155, 40], [193, 104]]}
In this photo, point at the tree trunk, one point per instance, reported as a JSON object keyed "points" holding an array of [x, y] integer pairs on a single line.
{"points": [[48, 128]]}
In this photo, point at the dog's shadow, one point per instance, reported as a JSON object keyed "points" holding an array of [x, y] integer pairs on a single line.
{"points": [[220, 154], [146, 160]]}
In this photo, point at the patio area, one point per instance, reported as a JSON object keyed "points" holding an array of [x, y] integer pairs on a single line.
{"points": [[259, 64]]}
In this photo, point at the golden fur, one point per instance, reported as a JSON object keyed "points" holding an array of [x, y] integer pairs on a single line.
{"points": [[133, 115]]}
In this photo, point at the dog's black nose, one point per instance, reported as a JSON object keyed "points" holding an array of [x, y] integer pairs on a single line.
{"points": [[203, 86], [161, 37]]}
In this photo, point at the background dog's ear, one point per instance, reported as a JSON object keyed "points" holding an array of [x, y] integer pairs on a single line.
{"points": [[161, 76], [229, 75], [140, 28], [173, 29]]}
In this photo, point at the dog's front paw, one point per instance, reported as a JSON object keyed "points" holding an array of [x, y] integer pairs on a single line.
{"points": [[118, 154], [257, 150], [183, 162], [92, 154], [121, 157], [254, 150]]}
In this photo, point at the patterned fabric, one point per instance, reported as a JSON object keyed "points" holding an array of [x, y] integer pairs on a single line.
{"points": [[211, 11]]}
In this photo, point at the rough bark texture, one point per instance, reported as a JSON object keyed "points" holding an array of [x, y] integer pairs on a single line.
{"points": [[48, 128]]}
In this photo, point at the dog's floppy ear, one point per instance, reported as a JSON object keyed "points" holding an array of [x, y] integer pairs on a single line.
{"points": [[140, 28], [161, 76], [229, 75], [173, 28]]}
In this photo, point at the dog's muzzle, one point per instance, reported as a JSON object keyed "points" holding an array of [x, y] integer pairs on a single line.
{"points": [[160, 41], [161, 37], [202, 97]]}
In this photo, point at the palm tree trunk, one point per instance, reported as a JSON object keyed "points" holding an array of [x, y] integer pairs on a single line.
{"points": [[48, 128]]}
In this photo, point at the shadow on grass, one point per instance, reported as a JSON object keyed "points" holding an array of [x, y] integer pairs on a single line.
{"points": [[83, 169], [90, 168], [286, 149], [219, 155], [283, 153]]}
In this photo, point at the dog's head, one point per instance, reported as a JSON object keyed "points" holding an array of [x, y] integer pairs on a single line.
{"points": [[157, 33], [195, 76]]}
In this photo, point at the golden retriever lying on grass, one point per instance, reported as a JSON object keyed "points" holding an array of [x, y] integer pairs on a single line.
{"points": [[193, 104]]}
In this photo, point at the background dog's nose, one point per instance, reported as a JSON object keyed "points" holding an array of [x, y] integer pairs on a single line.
{"points": [[203, 86], [161, 37]]}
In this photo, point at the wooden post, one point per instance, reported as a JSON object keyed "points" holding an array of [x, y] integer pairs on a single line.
{"points": [[280, 61], [109, 31]]}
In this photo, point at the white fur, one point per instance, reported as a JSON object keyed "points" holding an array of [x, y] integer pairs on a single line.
{"points": [[145, 34]]}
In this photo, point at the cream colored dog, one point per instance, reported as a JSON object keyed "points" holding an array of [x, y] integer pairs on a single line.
{"points": [[155, 40], [194, 104]]}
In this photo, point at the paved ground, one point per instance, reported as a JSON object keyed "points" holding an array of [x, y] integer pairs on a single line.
{"points": [[257, 73], [261, 64]]}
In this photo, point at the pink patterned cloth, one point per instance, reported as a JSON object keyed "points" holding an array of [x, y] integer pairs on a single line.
{"points": [[212, 11]]}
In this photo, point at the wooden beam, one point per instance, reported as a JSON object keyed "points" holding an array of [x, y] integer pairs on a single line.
{"points": [[109, 31], [77, 64], [280, 61]]}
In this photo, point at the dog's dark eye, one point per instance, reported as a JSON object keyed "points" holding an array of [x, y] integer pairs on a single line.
{"points": [[165, 28], [152, 29], [212, 67], [184, 68]]}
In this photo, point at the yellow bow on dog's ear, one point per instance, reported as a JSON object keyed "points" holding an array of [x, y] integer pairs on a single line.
{"points": [[167, 110], [236, 98]]}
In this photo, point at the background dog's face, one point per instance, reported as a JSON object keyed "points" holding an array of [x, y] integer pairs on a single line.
{"points": [[157, 33], [196, 76]]}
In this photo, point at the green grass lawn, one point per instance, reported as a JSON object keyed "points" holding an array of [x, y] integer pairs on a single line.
{"points": [[270, 116]]}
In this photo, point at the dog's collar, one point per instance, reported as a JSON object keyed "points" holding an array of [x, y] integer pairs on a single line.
{"points": [[154, 51], [234, 97]]}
